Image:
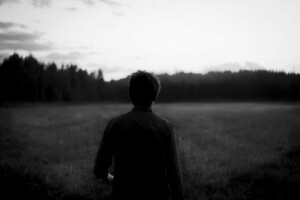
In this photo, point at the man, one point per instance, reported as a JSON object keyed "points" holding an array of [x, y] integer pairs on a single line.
{"points": [[146, 164]]}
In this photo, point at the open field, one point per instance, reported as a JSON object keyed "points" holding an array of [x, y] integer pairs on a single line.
{"points": [[228, 150]]}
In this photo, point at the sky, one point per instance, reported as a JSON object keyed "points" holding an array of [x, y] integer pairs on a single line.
{"points": [[161, 36]]}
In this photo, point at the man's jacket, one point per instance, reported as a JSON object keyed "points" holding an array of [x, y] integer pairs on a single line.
{"points": [[146, 164]]}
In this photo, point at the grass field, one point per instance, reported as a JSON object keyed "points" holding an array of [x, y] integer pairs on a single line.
{"points": [[227, 150]]}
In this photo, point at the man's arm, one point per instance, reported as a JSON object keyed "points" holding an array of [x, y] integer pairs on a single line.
{"points": [[104, 155], [173, 168]]}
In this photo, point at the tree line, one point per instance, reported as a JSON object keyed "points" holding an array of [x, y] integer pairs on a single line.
{"points": [[28, 80]]}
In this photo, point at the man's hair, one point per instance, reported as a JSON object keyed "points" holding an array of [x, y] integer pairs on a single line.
{"points": [[143, 88]]}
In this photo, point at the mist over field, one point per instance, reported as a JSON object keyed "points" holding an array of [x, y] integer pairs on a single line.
{"points": [[227, 150]]}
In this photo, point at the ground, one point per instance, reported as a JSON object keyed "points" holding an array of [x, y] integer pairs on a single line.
{"points": [[227, 150]]}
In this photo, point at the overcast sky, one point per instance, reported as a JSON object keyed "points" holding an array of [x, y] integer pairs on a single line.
{"points": [[122, 36]]}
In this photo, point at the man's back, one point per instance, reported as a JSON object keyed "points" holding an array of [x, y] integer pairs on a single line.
{"points": [[144, 149]]}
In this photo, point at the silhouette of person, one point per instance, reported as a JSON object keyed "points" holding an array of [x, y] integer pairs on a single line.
{"points": [[146, 163]]}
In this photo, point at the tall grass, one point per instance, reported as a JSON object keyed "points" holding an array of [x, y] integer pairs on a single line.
{"points": [[227, 151]]}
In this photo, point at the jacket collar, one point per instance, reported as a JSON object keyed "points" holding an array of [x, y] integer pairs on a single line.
{"points": [[142, 109]]}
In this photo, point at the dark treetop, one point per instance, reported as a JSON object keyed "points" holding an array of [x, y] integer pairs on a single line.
{"points": [[146, 157]]}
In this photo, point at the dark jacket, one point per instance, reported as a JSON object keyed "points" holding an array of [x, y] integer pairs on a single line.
{"points": [[145, 155]]}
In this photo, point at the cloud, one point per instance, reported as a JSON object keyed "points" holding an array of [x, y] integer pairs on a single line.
{"points": [[47, 3], [18, 36], [8, 25], [41, 3], [72, 9], [71, 56], [28, 46], [89, 2], [38, 3], [112, 3], [8, 1], [93, 2], [118, 14], [225, 67], [253, 66], [235, 67], [22, 41]]}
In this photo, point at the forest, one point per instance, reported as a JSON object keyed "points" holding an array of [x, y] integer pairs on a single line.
{"points": [[25, 79]]}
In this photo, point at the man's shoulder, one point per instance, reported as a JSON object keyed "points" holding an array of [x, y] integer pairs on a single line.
{"points": [[163, 120], [118, 118]]}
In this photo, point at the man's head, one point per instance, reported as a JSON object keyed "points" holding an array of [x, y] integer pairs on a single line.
{"points": [[143, 88]]}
